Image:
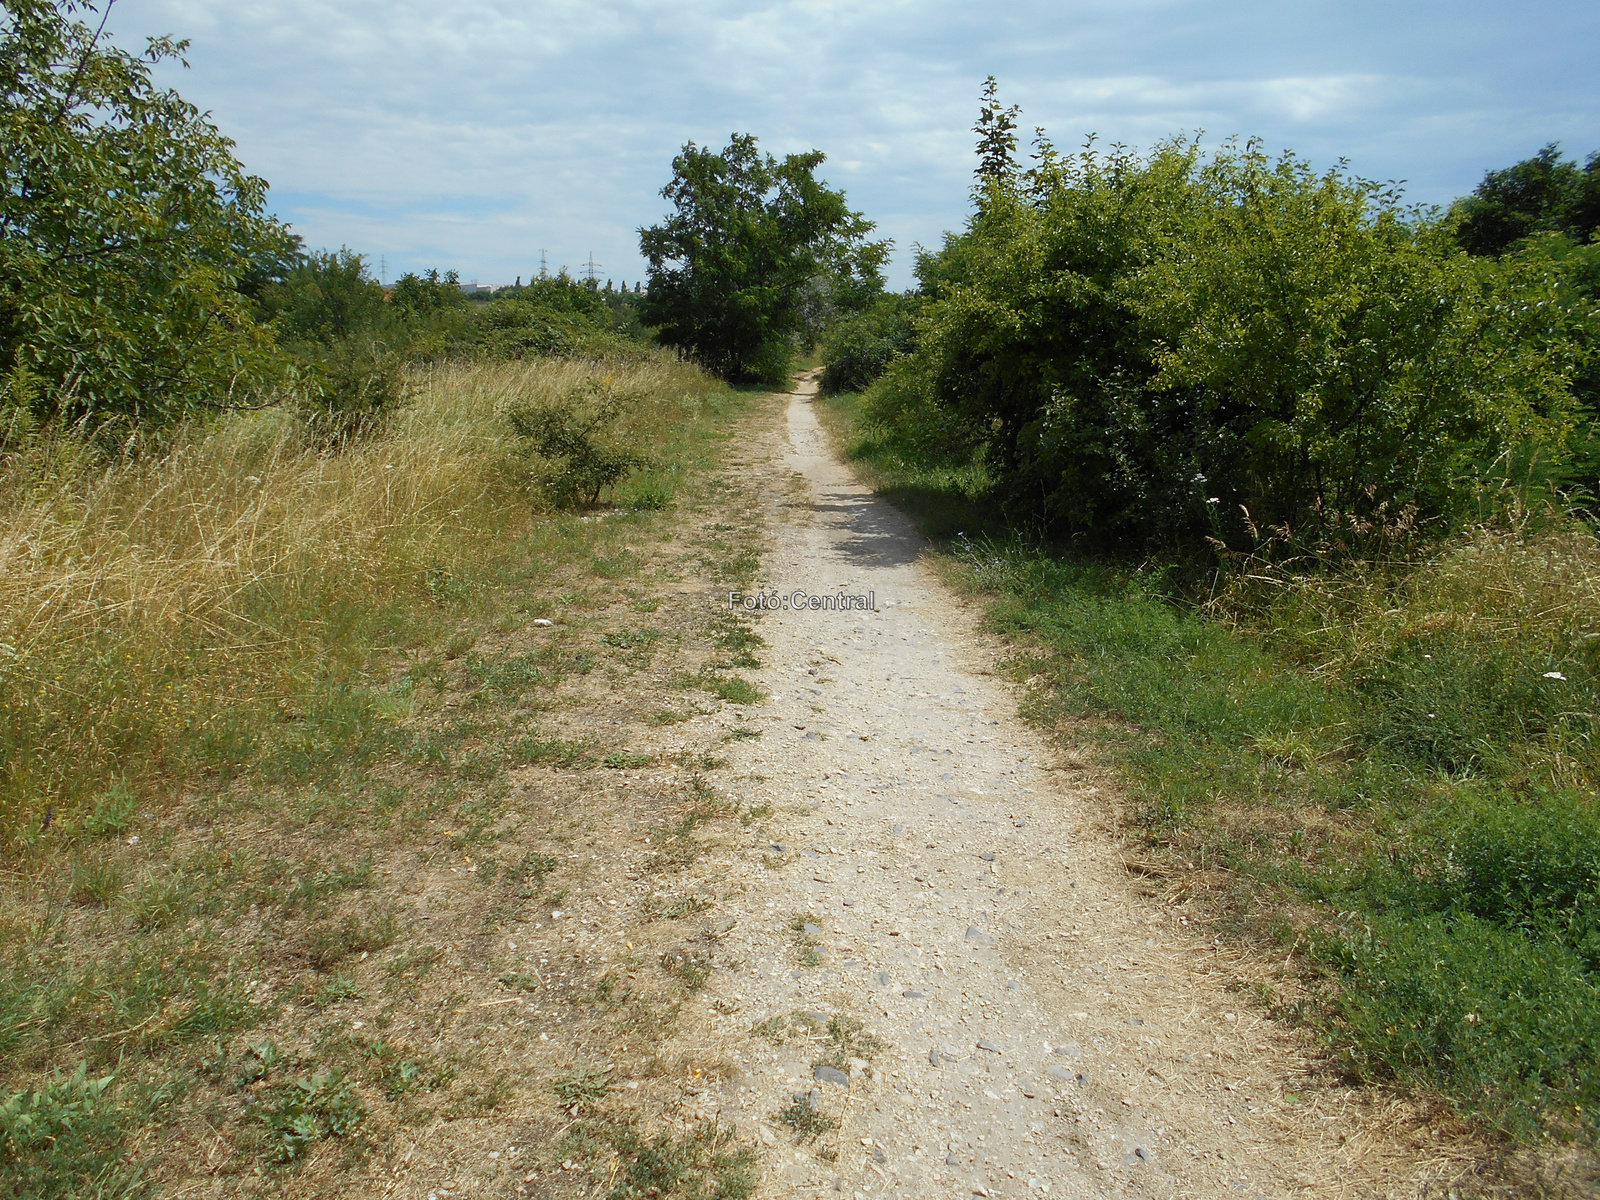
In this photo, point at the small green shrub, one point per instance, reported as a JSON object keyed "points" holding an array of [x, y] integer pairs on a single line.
{"points": [[1506, 1024], [352, 385], [566, 435]]}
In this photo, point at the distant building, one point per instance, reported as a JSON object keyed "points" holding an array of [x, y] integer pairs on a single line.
{"points": [[484, 289]]}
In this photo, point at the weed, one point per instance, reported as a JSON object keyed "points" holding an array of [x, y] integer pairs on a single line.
{"points": [[298, 1113], [622, 760], [741, 733], [629, 639], [703, 1163], [337, 990], [520, 981], [848, 1038], [583, 1088], [689, 967], [805, 1118], [734, 691], [259, 1059], [805, 927], [63, 1139], [534, 750], [656, 907], [530, 872], [95, 882], [327, 944], [668, 717], [113, 811]]}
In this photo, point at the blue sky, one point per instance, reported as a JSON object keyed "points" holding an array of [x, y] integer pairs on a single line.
{"points": [[474, 133]]}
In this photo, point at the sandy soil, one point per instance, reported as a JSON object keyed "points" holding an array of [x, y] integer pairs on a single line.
{"points": [[1045, 1028]]}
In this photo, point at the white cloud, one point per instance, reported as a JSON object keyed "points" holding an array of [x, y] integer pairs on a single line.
{"points": [[473, 133]]}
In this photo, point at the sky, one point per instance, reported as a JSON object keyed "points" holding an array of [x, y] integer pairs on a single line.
{"points": [[476, 134]]}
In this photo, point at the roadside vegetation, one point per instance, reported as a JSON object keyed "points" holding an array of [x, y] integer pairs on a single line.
{"points": [[358, 703], [1316, 578]]}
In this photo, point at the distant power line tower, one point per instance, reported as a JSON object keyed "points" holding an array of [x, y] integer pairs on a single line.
{"points": [[591, 269], [383, 269], [544, 265]]}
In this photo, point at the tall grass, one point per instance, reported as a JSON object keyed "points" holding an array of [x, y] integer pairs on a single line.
{"points": [[160, 612]]}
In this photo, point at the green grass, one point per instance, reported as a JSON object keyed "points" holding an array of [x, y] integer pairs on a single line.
{"points": [[1388, 766]]}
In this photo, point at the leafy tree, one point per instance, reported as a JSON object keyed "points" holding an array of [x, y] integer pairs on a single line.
{"points": [[729, 269], [327, 295], [997, 137], [127, 228], [1544, 194], [428, 293]]}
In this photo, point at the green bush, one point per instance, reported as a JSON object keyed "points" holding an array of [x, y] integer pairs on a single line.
{"points": [[861, 345], [565, 434], [350, 387], [1177, 352]]}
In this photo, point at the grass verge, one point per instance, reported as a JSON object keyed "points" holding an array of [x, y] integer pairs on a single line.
{"points": [[331, 783]]}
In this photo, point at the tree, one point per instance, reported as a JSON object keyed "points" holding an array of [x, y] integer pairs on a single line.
{"points": [[1543, 194], [127, 228], [997, 138], [328, 295], [728, 270]]}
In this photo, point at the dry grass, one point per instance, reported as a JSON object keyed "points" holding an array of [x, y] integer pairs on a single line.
{"points": [[149, 610], [317, 785]]}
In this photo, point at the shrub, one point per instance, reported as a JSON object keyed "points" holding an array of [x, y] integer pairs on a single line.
{"points": [[1507, 1024], [860, 346], [565, 434], [1159, 349], [352, 386]]}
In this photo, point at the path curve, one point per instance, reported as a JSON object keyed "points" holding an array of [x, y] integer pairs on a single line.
{"points": [[1048, 1030]]}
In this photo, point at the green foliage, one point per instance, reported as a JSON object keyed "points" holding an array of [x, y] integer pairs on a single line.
{"points": [[1506, 1024], [582, 1088], [428, 293], [565, 434], [63, 1140], [350, 385], [730, 268], [127, 229], [803, 1116], [328, 296], [861, 345], [1543, 194], [1175, 351], [705, 1163], [298, 1113]]}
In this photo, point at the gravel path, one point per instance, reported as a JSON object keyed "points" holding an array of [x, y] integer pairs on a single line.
{"points": [[1045, 1029]]}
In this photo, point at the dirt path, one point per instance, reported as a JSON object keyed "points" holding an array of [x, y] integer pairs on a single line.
{"points": [[1044, 1028]]}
